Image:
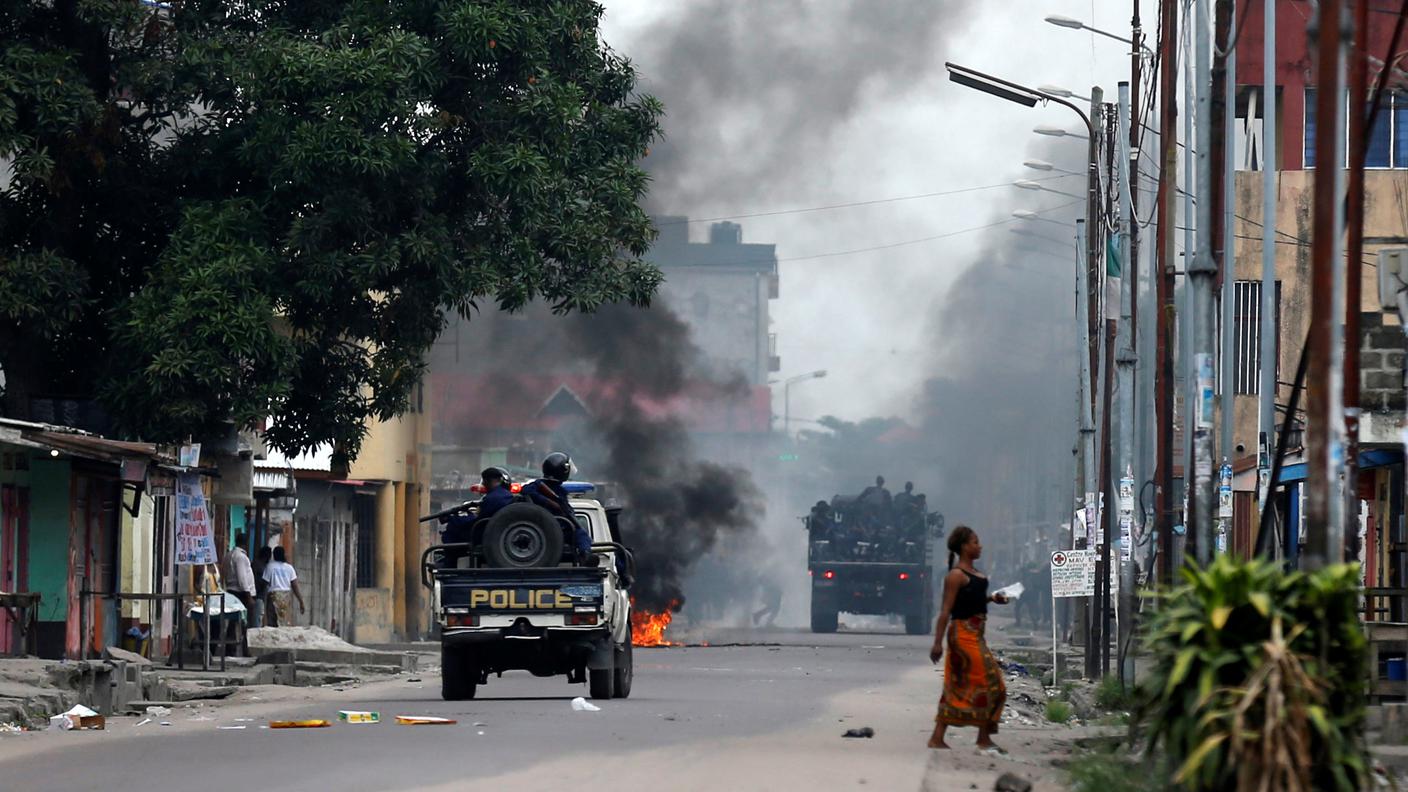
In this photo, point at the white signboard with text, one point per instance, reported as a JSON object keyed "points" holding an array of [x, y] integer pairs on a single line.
{"points": [[1073, 573]]}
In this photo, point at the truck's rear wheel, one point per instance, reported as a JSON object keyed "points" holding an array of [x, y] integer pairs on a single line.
{"points": [[459, 678], [625, 669], [823, 618], [522, 536], [601, 684]]}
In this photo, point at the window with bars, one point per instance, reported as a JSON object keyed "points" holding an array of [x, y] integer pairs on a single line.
{"points": [[1246, 341], [364, 510]]}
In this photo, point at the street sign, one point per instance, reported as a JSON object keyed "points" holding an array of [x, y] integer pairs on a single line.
{"points": [[1073, 573]]}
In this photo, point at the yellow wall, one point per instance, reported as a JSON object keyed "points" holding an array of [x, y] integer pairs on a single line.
{"points": [[397, 454], [1385, 225], [136, 551]]}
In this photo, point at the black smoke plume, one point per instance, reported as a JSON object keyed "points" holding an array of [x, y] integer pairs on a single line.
{"points": [[755, 93], [640, 361]]}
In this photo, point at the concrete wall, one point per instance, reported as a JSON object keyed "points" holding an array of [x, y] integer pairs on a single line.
{"points": [[1385, 225], [372, 626], [396, 454], [727, 312]]}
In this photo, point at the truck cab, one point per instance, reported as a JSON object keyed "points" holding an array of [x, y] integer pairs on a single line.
{"points": [[516, 600]]}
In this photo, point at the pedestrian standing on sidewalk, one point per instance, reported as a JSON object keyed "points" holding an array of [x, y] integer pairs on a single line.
{"points": [[974, 692], [283, 581], [262, 557], [239, 574]]}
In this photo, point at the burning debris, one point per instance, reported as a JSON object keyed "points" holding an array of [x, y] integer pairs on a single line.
{"points": [[648, 628]]}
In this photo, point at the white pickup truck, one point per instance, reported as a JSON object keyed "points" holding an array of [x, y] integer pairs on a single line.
{"points": [[517, 600]]}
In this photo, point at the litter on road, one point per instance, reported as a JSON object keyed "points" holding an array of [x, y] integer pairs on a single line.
{"points": [[582, 705], [356, 716], [865, 732], [299, 724], [231, 728], [424, 720]]}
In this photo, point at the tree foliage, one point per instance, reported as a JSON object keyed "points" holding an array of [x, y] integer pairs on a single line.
{"points": [[225, 210]]}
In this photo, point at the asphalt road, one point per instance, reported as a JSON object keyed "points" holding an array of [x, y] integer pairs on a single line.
{"points": [[718, 717]]}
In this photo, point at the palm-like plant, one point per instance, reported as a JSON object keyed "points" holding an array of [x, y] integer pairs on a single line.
{"points": [[1240, 703]]}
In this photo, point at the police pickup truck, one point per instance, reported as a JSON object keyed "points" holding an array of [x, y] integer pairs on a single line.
{"points": [[520, 598]]}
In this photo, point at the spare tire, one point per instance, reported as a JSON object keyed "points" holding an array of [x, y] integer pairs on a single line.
{"points": [[521, 536]]}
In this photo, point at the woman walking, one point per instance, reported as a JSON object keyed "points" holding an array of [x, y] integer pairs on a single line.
{"points": [[974, 692]]}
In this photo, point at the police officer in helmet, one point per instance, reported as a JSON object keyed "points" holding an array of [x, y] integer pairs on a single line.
{"points": [[549, 493], [460, 527]]}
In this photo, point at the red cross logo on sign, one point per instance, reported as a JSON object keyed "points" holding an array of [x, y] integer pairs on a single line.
{"points": [[1058, 559]]}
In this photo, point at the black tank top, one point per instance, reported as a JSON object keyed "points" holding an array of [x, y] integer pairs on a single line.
{"points": [[972, 599]]}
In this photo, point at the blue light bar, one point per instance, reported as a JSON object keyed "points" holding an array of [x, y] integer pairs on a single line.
{"points": [[578, 487]]}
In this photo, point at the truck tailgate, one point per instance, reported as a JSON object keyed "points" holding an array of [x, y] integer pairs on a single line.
{"points": [[549, 590]]}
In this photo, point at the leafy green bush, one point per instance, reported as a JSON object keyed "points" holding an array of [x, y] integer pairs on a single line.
{"points": [[1103, 771], [1058, 711], [1258, 678], [1111, 695]]}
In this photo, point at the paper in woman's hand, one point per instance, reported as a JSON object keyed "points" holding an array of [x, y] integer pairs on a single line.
{"points": [[1011, 592]]}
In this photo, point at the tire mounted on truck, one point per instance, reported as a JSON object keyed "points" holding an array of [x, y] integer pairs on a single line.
{"points": [[522, 536]]}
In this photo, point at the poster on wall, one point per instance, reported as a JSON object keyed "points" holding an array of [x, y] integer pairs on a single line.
{"points": [[195, 536]]}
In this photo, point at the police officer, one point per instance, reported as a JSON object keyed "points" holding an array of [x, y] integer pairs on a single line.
{"points": [[549, 493], [460, 527]]}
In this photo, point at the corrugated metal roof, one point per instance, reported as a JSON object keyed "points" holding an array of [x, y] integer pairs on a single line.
{"points": [[76, 442]]}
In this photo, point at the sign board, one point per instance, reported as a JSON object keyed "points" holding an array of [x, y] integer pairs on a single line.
{"points": [[1073, 573], [195, 536], [190, 455]]}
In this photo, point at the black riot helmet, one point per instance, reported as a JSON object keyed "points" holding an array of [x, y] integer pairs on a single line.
{"points": [[493, 476], [557, 466]]}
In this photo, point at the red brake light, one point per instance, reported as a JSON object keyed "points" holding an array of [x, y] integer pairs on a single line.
{"points": [[904, 576], [479, 488], [582, 618], [515, 488], [829, 574]]}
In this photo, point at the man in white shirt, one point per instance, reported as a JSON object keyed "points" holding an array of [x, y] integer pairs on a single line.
{"points": [[282, 580], [239, 574]]}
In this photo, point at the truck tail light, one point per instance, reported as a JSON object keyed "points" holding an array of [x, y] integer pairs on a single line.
{"points": [[582, 619], [904, 576], [828, 574], [459, 620]]}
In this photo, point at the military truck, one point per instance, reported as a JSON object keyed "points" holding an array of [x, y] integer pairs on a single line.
{"points": [[869, 555]]}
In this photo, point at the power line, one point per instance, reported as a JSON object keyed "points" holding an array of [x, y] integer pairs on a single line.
{"points": [[892, 245], [773, 213]]}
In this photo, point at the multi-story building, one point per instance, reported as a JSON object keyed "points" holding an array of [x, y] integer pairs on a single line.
{"points": [[722, 289], [1385, 225]]}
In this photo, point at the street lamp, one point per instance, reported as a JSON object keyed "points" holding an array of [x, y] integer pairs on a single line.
{"points": [[1076, 24], [1027, 214], [1051, 131], [1043, 165], [1028, 184], [787, 396], [1056, 90]]}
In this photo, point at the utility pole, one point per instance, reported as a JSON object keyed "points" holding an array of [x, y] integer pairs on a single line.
{"points": [[1110, 506], [1202, 275], [1320, 547], [1354, 265], [1094, 238], [1219, 191], [1269, 350], [1164, 232], [1125, 366]]}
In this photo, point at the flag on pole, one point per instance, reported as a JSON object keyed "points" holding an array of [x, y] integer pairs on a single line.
{"points": [[1112, 279]]}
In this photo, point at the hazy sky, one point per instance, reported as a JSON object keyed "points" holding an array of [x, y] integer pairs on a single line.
{"points": [[784, 104]]}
